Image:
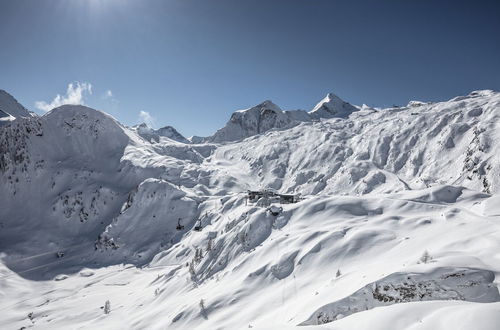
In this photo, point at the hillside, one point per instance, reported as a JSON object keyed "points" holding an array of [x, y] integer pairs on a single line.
{"points": [[397, 226], [10, 108]]}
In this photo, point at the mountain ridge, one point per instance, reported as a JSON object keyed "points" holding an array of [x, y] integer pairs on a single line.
{"points": [[10, 108]]}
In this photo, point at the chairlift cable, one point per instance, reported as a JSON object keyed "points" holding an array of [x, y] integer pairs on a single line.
{"points": [[62, 249]]}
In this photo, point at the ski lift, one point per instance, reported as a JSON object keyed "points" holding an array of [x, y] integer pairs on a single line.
{"points": [[179, 226], [198, 227]]}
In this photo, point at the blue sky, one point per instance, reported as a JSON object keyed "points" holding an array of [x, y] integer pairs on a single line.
{"points": [[191, 63]]}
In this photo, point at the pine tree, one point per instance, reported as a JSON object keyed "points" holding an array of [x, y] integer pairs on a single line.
{"points": [[198, 254], [192, 271], [203, 311], [426, 257], [107, 307], [209, 245]]}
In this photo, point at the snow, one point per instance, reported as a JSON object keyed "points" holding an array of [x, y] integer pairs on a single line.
{"points": [[10, 106], [268, 116], [5, 117], [397, 227], [253, 121], [152, 135], [332, 106], [466, 284]]}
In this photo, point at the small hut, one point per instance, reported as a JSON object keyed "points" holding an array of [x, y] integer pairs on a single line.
{"points": [[288, 198]]}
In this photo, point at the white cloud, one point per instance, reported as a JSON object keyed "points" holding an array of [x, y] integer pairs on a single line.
{"points": [[75, 94], [145, 117], [110, 98], [108, 94]]}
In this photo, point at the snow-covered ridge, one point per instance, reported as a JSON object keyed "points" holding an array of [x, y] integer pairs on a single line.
{"points": [[154, 135], [10, 108], [256, 120], [267, 116]]}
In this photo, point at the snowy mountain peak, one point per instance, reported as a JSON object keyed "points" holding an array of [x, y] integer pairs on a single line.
{"points": [[267, 116], [142, 129], [10, 106], [265, 105], [71, 111], [332, 106], [268, 104], [331, 96], [252, 121], [171, 133], [150, 134]]}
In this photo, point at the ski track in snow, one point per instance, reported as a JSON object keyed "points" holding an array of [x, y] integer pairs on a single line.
{"points": [[397, 227]]}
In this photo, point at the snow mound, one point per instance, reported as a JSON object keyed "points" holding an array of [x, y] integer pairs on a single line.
{"points": [[416, 104], [474, 285], [430, 315]]}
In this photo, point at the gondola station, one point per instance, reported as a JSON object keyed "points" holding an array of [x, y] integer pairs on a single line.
{"points": [[268, 196]]}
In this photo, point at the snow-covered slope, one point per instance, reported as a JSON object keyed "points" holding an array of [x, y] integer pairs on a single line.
{"points": [[8, 104], [398, 226], [388, 150], [5, 118]]}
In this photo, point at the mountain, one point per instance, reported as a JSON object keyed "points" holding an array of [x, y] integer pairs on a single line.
{"points": [[332, 106], [171, 133], [256, 120], [149, 133], [267, 116], [9, 105], [395, 228], [5, 117]]}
